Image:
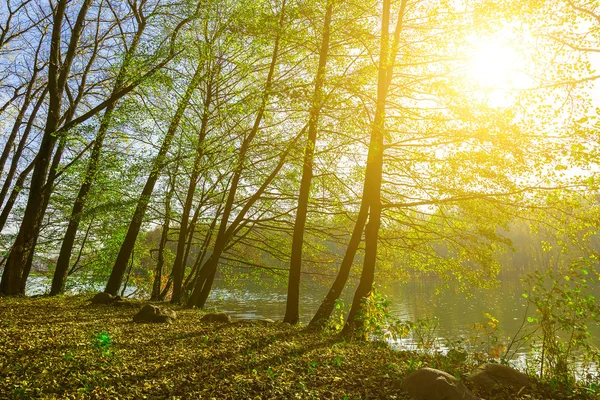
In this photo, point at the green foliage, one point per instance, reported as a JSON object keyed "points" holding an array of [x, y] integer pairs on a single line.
{"points": [[374, 315], [335, 323], [564, 307], [425, 334], [414, 364], [103, 343], [376, 320], [487, 335]]}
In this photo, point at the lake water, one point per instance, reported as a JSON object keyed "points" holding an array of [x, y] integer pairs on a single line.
{"points": [[455, 312]]}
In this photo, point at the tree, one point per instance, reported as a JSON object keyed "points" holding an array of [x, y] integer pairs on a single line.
{"points": [[45, 169], [120, 266], [19, 260], [292, 305], [62, 264], [206, 275]]}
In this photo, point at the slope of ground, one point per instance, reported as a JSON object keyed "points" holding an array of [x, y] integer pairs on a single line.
{"points": [[67, 348]]}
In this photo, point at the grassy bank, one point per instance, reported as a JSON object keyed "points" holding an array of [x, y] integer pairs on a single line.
{"points": [[66, 348]]}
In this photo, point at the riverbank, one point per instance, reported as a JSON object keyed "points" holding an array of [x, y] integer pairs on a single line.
{"points": [[65, 347]]}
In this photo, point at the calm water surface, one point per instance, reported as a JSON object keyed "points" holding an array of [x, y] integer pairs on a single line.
{"points": [[455, 311]]}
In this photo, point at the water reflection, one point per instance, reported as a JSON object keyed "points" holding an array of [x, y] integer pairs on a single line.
{"points": [[456, 311]]}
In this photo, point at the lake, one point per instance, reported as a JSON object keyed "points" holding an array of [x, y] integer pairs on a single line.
{"points": [[456, 312]]}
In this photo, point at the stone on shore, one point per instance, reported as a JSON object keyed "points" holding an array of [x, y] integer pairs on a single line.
{"points": [[104, 298], [433, 384], [491, 376], [216, 317], [154, 314]]}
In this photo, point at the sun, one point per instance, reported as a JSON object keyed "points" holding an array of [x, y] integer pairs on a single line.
{"points": [[495, 67]]}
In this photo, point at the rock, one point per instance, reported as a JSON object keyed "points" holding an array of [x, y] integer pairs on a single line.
{"points": [[265, 321], [433, 384], [169, 313], [490, 376], [103, 298], [216, 317], [163, 319], [150, 313]]}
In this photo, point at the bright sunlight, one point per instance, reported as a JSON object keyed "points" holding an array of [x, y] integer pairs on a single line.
{"points": [[497, 68], [493, 65]]}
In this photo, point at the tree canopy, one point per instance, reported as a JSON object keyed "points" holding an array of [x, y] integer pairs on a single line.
{"points": [[160, 144]]}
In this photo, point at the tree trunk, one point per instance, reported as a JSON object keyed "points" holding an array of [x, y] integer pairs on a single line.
{"points": [[374, 171], [14, 276], [116, 276], [292, 312], [66, 249], [161, 247], [180, 259], [328, 304]]}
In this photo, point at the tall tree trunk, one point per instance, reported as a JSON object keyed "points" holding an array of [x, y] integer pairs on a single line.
{"points": [[46, 192], [328, 304], [292, 312], [180, 259], [14, 276], [164, 235], [66, 249], [116, 276], [374, 169], [223, 234], [384, 80], [206, 274]]}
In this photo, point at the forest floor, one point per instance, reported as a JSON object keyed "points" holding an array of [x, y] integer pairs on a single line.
{"points": [[67, 348]]}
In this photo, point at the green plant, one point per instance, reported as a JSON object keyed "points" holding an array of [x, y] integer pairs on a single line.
{"points": [[103, 343], [338, 361], [487, 335], [271, 373], [335, 323], [414, 364], [564, 306], [376, 320], [425, 333]]}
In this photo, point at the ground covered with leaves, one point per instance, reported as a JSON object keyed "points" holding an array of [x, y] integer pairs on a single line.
{"points": [[67, 348]]}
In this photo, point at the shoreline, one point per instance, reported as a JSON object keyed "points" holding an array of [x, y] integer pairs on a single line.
{"points": [[65, 347]]}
